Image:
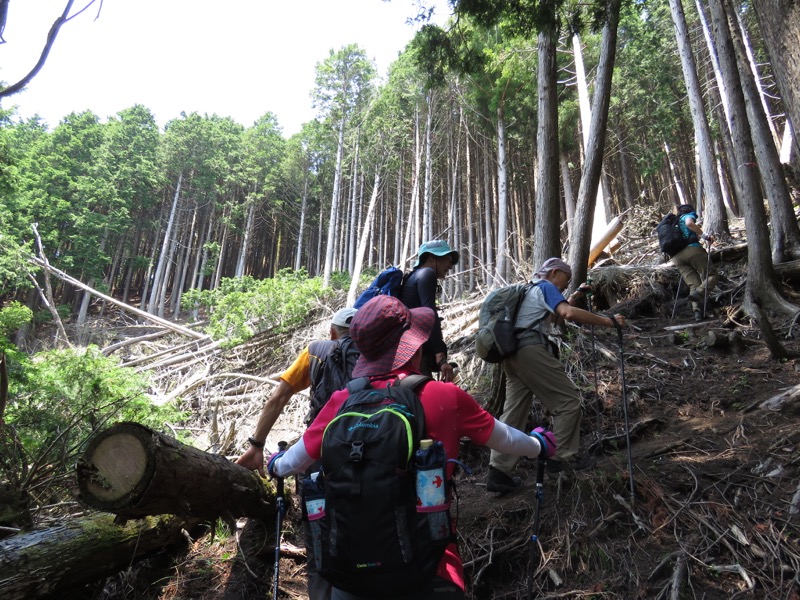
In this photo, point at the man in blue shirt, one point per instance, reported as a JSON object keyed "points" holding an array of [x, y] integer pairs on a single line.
{"points": [[692, 262], [535, 370]]}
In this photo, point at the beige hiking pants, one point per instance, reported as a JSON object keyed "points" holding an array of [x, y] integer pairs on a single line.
{"points": [[534, 371], [692, 263]]}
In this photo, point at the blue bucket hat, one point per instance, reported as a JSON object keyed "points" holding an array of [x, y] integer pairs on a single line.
{"points": [[437, 248]]}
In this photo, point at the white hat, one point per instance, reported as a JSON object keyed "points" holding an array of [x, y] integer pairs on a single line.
{"points": [[343, 317]]}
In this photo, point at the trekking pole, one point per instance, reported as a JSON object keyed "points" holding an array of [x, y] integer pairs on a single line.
{"points": [[594, 360], [280, 510], [675, 304], [625, 405], [535, 536], [708, 270]]}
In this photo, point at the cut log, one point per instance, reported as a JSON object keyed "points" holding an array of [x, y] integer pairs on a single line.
{"points": [[39, 563], [613, 228], [717, 339], [133, 471]]}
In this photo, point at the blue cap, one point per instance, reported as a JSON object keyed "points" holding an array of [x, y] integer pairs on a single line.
{"points": [[437, 248]]}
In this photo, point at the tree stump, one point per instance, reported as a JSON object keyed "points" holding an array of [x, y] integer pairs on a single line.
{"points": [[718, 339], [133, 471]]}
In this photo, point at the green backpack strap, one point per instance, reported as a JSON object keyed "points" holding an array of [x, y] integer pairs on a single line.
{"points": [[414, 383]]}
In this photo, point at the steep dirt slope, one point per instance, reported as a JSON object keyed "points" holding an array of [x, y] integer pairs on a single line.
{"points": [[715, 508], [715, 480]]}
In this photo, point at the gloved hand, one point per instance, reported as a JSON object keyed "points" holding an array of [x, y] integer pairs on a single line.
{"points": [[271, 463], [585, 288], [546, 440]]}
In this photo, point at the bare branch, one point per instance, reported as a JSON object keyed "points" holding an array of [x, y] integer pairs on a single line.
{"points": [[51, 38]]}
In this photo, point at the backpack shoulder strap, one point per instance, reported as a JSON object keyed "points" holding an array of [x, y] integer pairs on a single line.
{"points": [[525, 289], [533, 326], [358, 384], [413, 381], [319, 350]]}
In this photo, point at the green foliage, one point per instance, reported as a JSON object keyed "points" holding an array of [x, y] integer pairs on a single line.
{"points": [[44, 316], [241, 307], [340, 280], [62, 390], [139, 262], [13, 265], [343, 83], [742, 385], [14, 316], [57, 400], [212, 250]]}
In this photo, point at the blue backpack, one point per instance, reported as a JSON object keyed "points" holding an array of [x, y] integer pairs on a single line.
{"points": [[389, 282]]}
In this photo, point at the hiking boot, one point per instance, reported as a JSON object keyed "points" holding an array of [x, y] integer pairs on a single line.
{"points": [[696, 295], [583, 462], [576, 464], [499, 482], [698, 315]]}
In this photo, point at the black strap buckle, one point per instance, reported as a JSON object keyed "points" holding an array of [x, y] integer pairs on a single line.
{"points": [[357, 451]]}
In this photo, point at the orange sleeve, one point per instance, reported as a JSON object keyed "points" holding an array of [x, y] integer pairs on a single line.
{"points": [[298, 375]]}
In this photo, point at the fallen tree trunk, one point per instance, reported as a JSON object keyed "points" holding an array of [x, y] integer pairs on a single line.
{"points": [[133, 471], [787, 401], [154, 318], [788, 271], [39, 563]]}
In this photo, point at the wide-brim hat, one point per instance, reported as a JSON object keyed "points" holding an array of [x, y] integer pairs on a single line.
{"points": [[437, 248], [387, 334]]}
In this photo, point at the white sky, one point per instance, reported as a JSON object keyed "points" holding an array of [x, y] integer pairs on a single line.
{"points": [[236, 58]]}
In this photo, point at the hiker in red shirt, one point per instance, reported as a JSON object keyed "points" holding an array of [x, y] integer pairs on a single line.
{"points": [[390, 337]]}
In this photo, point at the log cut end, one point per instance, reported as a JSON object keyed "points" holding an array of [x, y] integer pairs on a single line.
{"points": [[133, 471], [116, 468]]}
